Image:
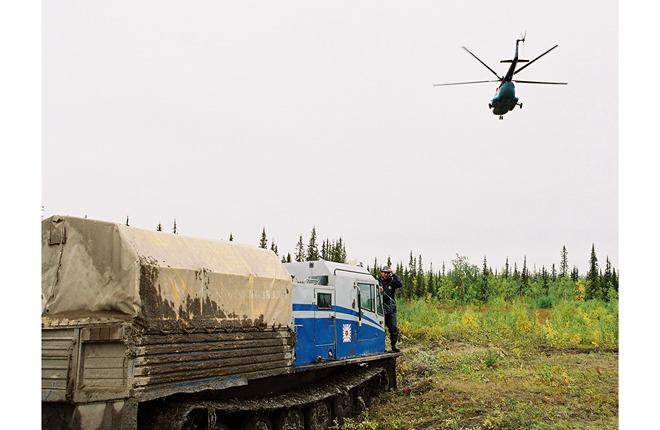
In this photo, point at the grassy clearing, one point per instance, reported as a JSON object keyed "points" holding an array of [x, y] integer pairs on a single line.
{"points": [[503, 366], [570, 324]]}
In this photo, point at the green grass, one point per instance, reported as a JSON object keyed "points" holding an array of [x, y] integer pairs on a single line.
{"points": [[502, 366], [569, 324]]}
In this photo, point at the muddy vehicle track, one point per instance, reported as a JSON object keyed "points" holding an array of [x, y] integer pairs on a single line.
{"points": [[319, 406]]}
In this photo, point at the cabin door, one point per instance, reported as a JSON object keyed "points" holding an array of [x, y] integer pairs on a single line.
{"points": [[324, 323]]}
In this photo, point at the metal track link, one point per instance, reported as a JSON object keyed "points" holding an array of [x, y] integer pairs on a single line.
{"points": [[175, 415]]}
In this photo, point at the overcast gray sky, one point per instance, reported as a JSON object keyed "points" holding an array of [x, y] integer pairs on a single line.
{"points": [[232, 116]]}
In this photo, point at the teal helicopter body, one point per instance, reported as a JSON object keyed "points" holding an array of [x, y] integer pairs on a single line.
{"points": [[505, 99]]}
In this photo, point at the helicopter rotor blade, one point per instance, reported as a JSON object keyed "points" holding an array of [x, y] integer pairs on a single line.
{"points": [[539, 82], [479, 60], [528, 64], [464, 83]]}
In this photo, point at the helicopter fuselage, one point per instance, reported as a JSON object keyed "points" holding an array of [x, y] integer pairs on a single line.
{"points": [[505, 96], [505, 99]]}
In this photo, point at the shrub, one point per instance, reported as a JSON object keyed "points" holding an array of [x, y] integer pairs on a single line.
{"points": [[544, 302], [566, 324]]}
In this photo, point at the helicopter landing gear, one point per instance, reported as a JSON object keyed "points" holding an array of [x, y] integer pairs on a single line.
{"points": [[501, 117], [520, 104]]}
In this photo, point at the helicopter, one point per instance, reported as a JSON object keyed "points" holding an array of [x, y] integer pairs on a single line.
{"points": [[505, 99]]}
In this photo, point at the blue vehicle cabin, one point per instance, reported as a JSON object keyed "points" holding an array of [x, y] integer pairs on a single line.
{"points": [[337, 312]]}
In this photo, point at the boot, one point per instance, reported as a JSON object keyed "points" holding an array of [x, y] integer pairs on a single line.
{"points": [[393, 338]]}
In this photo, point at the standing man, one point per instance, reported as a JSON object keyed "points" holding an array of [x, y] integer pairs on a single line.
{"points": [[389, 283]]}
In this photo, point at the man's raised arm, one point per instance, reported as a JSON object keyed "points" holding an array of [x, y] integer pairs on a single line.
{"points": [[396, 282]]}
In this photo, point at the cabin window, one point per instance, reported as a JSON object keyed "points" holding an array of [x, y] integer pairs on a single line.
{"points": [[317, 280], [366, 296], [379, 304], [324, 300]]}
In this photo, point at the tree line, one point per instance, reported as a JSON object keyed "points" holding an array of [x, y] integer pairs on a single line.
{"points": [[464, 282], [330, 250]]}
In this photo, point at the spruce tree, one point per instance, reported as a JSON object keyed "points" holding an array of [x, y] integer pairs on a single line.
{"points": [[606, 280], [506, 268], [159, 227], [563, 266], [615, 280], [333, 252], [516, 275], [231, 237], [324, 250], [411, 275], [127, 221], [312, 247], [420, 284], [174, 227], [430, 285], [389, 262], [300, 249], [341, 251], [554, 272], [288, 257], [593, 284], [483, 284], [273, 246], [263, 242], [575, 274], [545, 285], [524, 278]]}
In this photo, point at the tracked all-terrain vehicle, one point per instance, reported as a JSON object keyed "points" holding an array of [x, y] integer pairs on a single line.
{"points": [[151, 330]]}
